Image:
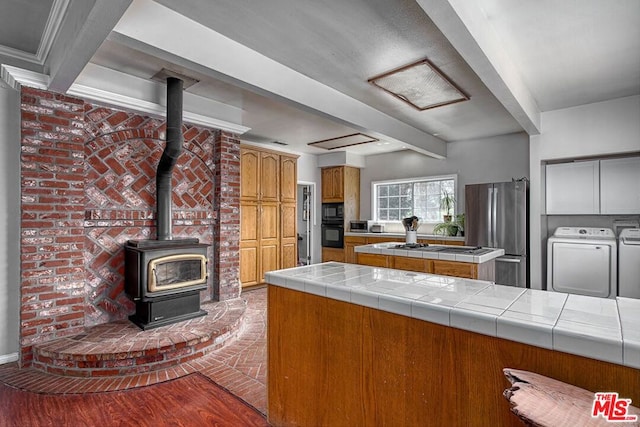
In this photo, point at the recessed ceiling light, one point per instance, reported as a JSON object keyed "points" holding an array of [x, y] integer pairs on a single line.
{"points": [[420, 85], [343, 141]]}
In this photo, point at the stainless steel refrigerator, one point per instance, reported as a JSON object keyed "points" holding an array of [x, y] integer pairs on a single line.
{"points": [[497, 216]]}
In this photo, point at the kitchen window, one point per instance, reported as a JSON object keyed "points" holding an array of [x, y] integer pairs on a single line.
{"points": [[397, 199]]}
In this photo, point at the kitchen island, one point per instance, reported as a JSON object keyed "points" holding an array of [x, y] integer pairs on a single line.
{"points": [[353, 239], [459, 261], [359, 345]]}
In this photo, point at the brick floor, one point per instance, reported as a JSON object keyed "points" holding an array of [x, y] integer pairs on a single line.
{"points": [[239, 365]]}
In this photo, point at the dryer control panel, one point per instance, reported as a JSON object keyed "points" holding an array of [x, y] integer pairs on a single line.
{"points": [[585, 232]]}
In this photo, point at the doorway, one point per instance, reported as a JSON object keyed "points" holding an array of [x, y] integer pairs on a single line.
{"points": [[306, 221]]}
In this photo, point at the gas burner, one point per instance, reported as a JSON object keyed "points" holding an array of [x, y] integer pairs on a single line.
{"points": [[412, 245]]}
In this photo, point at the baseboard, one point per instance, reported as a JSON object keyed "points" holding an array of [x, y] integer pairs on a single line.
{"points": [[8, 358]]}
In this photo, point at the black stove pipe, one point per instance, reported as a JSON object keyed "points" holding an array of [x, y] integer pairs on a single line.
{"points": [[169, 158]]}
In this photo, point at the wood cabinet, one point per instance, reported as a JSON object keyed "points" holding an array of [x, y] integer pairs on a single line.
{"points": [[268, 235], [466, 270], [269, 232], [350, 244], [333, 184], [442, 242], [249, 243], [374, 260], [288, 179], [249, 174], [401, 263], [270, 177], [457, 269], [369, 240], [341, 184], [332, 254], [289, 236], [411, 264], [368, 367]]}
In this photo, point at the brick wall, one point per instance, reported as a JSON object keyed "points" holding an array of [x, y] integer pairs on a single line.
{"points": [[227, 205], [88, 186], [52, 214]]}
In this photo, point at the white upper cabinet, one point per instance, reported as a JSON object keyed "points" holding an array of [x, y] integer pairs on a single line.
{"points": [[620, 186], [573, 188]]}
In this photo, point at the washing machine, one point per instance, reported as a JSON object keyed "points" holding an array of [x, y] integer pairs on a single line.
{"points": [[629, 263], [583, 261]]}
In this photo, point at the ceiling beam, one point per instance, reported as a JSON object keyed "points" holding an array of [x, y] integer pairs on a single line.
{"points": [[115, 88], [160, 31], [466, 27], [86, 25]]}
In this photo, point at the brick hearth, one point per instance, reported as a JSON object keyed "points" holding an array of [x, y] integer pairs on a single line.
{"points": [[239, 366], [121, 348], [88, 185]]}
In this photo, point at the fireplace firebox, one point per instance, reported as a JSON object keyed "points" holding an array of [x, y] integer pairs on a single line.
{"points": [[164, 278]]}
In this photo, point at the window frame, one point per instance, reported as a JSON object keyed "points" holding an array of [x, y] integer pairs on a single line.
{"points": [[374, 195]]}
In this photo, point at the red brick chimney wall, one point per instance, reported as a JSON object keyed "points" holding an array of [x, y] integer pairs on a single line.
{"points": [[88, 186], [227, 204]]}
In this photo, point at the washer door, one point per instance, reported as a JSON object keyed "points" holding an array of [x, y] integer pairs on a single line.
{"points": [[583, 269]]}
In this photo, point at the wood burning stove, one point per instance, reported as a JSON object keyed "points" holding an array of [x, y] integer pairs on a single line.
{"points": [[164, 278]]}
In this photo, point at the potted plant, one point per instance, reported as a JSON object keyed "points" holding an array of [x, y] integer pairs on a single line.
{"points": [[447, 203], [460, 223], [450, 228]]}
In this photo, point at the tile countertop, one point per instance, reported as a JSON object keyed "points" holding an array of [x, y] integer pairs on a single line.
{"points": [[389, 248], [599, 328], [402, 236]]}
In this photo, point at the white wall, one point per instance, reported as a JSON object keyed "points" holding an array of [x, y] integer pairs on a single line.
{"points": [[9, 224], [309, 172], [493, 159], [603, 128]]}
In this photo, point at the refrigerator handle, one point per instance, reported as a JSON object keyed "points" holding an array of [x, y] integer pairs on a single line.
{"points": [[511, 260], [494, 218], [489, 217]]}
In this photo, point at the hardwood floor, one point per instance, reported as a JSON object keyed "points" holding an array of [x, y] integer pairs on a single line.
{"points": [[193, 400], [30, 398]]}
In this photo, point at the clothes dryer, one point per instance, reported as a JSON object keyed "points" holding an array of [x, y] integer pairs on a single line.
{"points": [[582, 261], [629, 263]]}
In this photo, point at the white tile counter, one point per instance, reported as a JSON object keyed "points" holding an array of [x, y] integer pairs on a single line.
{"points": [[602, 329], [389, 248]]}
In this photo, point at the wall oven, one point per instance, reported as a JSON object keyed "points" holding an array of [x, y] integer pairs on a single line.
{"points": [[332, 235]]}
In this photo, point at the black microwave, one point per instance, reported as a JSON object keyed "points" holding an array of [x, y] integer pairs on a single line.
{"points": [[333, 212]]}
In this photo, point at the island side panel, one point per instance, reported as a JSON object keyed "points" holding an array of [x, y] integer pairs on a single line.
{"points": [[335, 363]]}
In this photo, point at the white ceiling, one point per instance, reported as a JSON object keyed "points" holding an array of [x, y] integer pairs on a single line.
{"points": [[296, 71]]}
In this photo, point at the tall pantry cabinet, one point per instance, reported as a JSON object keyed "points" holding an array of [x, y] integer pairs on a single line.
{"points": [[268, 236], [341, 184]]}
